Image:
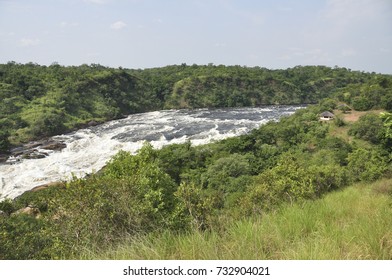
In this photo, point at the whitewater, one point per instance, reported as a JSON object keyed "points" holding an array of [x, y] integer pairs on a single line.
{"points": [[87, 150]]}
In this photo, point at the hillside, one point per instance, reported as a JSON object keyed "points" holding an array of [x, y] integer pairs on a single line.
{"points": [[41, 101], [349, 224], [203, 193]]}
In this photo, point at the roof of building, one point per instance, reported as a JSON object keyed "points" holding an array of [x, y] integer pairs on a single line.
{"points": [[327, 114]]}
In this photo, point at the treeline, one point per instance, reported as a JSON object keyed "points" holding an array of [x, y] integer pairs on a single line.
{"points": [[182, 188], [40, 101]]}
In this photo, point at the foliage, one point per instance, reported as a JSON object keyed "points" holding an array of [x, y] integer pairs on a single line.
{"points": [[304, 231], [369, 127], [132, 195], [4, 142], [224, 170], [24, 237], [387, 123], [366, 165], [40, 101], [182, 189], [195, 205], [291, 180]]}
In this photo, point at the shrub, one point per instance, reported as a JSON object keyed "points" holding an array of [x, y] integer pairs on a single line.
{"points": [[222, 172], [366, 165], [24, 237], [288, 181], [361, 103], [4, 142], [194, 206], [369, 127]]}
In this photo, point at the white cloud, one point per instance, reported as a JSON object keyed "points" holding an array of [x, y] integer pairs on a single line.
{"points": [[27, 42], [118, 25]]}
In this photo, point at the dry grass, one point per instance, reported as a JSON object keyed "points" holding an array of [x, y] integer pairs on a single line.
{"points": [[354, 223], [353, 115]]}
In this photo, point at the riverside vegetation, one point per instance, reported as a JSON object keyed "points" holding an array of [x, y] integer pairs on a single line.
{"points": [[41, 101], [297, 188]]}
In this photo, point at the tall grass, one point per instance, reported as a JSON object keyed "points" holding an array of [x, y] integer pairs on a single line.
{"points": [[354, 223]]}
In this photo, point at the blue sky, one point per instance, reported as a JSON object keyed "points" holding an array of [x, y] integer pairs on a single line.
{"points": [[356, 34]]}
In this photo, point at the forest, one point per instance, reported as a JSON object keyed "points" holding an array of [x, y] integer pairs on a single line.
{"points": [[263, 188], [41, 101]]}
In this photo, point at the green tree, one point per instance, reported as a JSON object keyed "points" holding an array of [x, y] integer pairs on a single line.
{"points": [[369, 127], [4, 141], [221, 173], [366, 165], [196, 206]]}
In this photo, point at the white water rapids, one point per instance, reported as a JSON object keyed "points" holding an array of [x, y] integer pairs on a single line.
{"points": [[89, 149]]}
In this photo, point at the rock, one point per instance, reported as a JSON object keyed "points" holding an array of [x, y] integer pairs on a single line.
{"points": [[92, 123], [34, 155], [3, 158], [29, 210], [32, 150], [54, 146], [88, 124], [32, 145]]}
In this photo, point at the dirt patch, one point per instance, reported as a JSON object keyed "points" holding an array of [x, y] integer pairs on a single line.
{"points": [[354, 116]]}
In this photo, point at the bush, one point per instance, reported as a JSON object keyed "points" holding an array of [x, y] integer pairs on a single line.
{"points": [[47, 124], [7, 206], [366, 165], [4, 142], [369, 128], [361, 103], [223, 171], [194, 206], [287, 182], [327, 104], [24, 237]]}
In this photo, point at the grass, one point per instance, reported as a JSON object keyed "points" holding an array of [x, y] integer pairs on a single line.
{"points": [[349, 118], [353, 116], [354, 223]]}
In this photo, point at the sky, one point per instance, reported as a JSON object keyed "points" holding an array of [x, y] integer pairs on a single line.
{"points": [[276, 34]]}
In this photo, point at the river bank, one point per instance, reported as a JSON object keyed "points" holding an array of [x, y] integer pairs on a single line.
{"points": [[87, 150]]}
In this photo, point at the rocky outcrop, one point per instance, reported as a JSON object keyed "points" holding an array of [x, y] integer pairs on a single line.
{"points": [[54, 146], [33, 150], [89, 124]]}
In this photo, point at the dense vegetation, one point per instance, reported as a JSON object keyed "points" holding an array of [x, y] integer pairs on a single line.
{"points": [[353, 223], [207, 191], [202, 190], [40, 101]]}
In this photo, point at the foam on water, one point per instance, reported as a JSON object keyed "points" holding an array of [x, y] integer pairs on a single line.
{"points": [[89, 149]]}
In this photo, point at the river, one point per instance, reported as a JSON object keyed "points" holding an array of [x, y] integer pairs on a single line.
{"points": [[87, 150]]}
